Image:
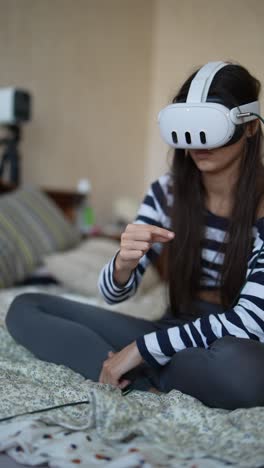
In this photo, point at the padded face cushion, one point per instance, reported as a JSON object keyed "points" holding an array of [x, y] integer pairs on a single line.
{"points": [[31, 226]]}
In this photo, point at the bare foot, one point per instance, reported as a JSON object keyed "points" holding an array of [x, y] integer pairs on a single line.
{"points": [[154, 390]]}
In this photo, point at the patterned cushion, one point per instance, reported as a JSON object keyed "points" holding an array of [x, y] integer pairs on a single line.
{"points": [[31, 226]]}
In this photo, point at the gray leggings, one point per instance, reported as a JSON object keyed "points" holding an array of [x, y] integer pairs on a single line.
{"points": [[230, 374]]}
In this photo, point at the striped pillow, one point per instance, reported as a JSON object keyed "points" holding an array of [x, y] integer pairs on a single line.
{"points": [[31, 226]]}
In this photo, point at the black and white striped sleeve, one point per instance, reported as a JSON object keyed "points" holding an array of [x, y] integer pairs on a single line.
{"points": [[244, 320], [151, 211]]}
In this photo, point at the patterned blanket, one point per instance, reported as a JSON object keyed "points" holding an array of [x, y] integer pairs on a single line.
{"points": [[107, 429]]}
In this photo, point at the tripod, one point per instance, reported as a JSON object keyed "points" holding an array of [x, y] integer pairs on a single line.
{"points": [[11, 157]]}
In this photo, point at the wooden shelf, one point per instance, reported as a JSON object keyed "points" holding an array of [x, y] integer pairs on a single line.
{"points": [[67, 201]]}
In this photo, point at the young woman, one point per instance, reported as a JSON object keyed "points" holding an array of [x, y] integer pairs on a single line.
{"points": [[209, 213]]}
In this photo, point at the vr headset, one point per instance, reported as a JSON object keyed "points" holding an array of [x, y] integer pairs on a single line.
{"points": [[200, 124]]}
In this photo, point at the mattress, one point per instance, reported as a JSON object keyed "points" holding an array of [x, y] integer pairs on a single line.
{"points": [[101, 427]]}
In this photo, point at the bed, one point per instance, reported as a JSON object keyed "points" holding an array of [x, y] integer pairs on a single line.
{"points": [[100, 427]]}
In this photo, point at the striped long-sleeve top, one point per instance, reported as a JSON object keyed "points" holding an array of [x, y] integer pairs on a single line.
{"points": [[244, 320]]}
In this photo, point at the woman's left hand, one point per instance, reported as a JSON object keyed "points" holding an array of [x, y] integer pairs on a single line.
{"points": [[118, 364]]}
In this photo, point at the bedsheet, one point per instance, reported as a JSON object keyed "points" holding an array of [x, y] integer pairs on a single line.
{"points": [[111, 430]]}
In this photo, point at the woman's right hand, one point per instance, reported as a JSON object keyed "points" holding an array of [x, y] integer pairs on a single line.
{"points": [[136, 240]]}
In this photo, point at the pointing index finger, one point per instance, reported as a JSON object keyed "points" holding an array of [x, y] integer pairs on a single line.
{"points": [[160, 234]]}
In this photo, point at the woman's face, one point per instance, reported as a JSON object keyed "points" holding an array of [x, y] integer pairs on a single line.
{"points": [[219, 159]]}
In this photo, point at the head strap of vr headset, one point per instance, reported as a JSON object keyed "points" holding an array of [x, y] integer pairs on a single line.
{"points": [[201, 83], [200, 86]]}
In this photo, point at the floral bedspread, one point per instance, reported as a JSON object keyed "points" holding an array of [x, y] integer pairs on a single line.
{"points": [[111, 430]]}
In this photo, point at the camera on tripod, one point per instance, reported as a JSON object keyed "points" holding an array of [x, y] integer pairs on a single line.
{"points": [[15, 109]]}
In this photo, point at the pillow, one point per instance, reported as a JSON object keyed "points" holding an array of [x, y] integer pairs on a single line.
{"points": [[31, 226], [79, 268]]}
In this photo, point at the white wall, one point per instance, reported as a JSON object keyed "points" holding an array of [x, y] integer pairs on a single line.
{"points": [[87, 63]]}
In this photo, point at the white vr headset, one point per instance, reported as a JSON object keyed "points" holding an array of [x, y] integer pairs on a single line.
{"points": [[197, 124]]}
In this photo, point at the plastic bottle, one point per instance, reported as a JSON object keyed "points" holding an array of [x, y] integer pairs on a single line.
{"points": [[85, 214]]}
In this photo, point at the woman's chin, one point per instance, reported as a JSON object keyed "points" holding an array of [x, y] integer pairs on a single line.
{"points": [[205, 165]]}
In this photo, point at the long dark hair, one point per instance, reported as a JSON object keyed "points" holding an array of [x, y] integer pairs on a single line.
{"points": [[234, 85]]}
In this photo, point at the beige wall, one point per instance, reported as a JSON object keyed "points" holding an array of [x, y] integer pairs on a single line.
{"points": [[100, 70], [87, 63], [187, 34]]}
